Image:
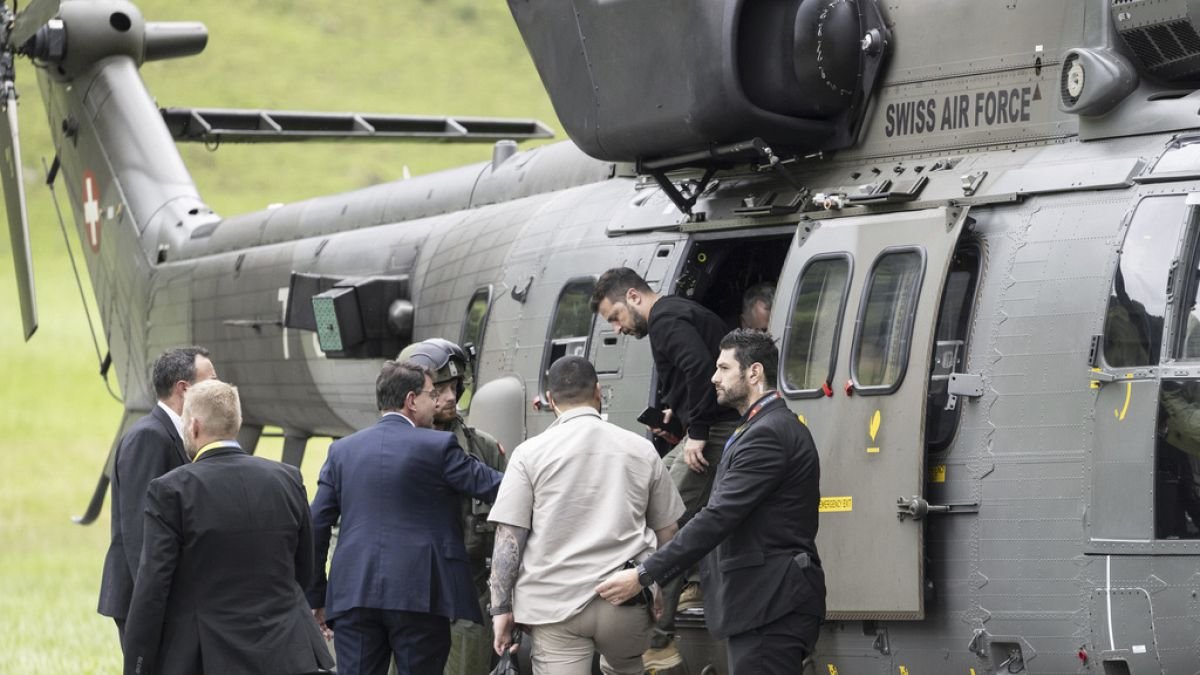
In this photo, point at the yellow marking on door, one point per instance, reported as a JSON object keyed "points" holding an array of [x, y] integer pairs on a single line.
{"points": [[875, 420], [903, 670], [937, 474], [1095, 384], [1120, 414], [972, 671], [872, 450], [832, 669], [836, 504], [802, 420]]}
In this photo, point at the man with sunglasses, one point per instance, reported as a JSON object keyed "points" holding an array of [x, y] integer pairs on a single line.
{"points": [[400, 574]]}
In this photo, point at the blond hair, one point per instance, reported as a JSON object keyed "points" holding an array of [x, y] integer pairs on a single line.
{"points": [[217, 406]]}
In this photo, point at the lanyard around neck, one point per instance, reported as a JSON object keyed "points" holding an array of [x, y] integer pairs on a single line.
{"points": [[754, 411]]}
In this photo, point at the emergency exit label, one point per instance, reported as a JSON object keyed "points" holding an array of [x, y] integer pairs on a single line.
{"points": [[836, 504]]}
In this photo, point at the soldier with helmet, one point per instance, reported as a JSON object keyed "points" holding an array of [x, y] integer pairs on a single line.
{"points": [[470, 650]]}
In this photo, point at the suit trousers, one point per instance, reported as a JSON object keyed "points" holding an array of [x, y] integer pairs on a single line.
{"points": [[620, 634], [777, 648], [367, 639]]}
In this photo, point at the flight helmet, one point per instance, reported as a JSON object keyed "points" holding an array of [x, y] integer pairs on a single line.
{"points": [[444, 359]]}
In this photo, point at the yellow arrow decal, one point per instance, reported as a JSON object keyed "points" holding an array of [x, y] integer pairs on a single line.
{"points": [[1120, 414], [875, 420]]}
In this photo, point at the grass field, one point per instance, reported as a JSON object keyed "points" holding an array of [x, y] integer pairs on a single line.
{"points": [[57, 420]]}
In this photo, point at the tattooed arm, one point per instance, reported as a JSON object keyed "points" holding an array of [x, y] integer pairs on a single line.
{"points": [[506, 564]]}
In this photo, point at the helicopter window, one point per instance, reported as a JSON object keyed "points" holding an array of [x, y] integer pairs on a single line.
{"points": [[1186, 334], [476, 320], [1177, 461], [885, 320], [1133, 323], [950, 345], [810, 342], [571, 324]]}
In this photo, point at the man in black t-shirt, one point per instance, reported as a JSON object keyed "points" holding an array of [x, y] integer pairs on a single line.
{"points": [[684, 340]]}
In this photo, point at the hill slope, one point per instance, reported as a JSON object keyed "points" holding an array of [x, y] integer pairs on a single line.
{"points": [[458, 57]]}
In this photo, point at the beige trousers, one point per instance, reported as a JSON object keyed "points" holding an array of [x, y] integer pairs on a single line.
{"points": [[620, 634]]}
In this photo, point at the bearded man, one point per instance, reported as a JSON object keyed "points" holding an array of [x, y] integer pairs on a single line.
{"points": [[762, 576]]}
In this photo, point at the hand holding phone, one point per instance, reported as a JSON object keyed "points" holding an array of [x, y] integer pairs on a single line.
{"points": [[657, 420]]}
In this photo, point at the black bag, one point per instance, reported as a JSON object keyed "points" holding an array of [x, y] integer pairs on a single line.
{"points": [[508, 660]]}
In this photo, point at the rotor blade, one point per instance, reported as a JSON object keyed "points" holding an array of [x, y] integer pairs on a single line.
{"points": [[14, 201], [31, 19]]}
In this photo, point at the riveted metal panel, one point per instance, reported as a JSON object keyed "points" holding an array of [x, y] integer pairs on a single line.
{"points": [[872, 442]]}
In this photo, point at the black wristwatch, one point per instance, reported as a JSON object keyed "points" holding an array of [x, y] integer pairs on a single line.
{"points": [[644, 577]]}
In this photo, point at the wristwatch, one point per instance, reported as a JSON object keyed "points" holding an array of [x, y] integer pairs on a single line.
{"points": [[644, 577]]}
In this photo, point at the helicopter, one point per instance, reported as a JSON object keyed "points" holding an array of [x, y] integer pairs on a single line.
{"points": [[980, 218]]}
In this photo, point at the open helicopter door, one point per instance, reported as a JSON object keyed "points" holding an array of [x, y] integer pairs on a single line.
{"points": [[857, 306]]}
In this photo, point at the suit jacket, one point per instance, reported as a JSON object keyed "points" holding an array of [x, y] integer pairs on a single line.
{"points": [[758, 530], [148, 450], [400, 547], [227, 552]]}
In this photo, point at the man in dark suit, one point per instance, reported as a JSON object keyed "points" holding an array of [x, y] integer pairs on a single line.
{"points": [[400, 573], [151, 447], [762, 575], [226, 555]]}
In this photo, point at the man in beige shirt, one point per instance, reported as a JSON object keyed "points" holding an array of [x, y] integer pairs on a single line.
{"points": [[577, 503]]}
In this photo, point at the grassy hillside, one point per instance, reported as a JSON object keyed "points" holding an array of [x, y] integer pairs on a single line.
{"points": [[460, 57]]}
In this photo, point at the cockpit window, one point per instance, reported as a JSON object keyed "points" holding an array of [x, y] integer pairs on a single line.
{"points": [[810, 345], [1133, 325], [885, 321], [1177, 461], [1186, 332]]}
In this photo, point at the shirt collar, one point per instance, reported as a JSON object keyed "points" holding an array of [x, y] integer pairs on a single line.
{"points": [[175, 419], [400, 415], [216, 444], [581, 411]]}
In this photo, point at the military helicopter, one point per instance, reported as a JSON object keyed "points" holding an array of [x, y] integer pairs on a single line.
{"points": [[981, 219]]}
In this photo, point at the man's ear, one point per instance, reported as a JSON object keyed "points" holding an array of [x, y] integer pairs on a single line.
{"points": [[633, 297], [756, 370]]}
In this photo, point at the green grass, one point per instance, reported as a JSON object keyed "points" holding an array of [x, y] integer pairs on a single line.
{"points": [[57, 420]]}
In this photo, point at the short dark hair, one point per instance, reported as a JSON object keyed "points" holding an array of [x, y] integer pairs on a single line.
{"points": [[571, 380], [761, 292], [175, 365], [753, 346], [398, 379], [615, 283]]}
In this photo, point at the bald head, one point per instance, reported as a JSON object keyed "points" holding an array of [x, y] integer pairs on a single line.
{"points": [[212, 411]]}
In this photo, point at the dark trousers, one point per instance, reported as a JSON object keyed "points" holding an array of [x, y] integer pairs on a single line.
{"points": [[120, 632], [777, 648], [367, 639], [695, 489]]}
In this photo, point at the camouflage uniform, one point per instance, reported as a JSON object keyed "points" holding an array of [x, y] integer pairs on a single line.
{"points": [[471, 643]]}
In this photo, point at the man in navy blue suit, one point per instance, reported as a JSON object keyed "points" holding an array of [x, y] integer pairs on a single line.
{"points": [[400, 572]]}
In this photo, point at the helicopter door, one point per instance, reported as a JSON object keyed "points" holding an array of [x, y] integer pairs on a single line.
{"points": [[857, 306]]}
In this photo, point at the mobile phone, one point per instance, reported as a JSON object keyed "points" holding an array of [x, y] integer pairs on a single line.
{"points": [[654, 418]]}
